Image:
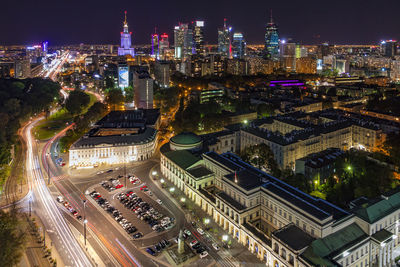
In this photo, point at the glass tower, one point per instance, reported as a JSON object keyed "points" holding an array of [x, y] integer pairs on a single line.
{"points": [[271, 49], [224, 41]]}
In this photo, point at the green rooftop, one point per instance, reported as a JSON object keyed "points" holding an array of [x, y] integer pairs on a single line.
{"points": [[183, 158], [376, 210], [186, 139], [320, 252]]}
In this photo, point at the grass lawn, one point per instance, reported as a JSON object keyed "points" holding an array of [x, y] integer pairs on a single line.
{"points": [[57, 121]]}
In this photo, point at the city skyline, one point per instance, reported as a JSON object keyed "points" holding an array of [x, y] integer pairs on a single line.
{"points": [[306, 22]]}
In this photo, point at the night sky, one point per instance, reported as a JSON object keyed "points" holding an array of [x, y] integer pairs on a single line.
{"points": [[89, 21]]}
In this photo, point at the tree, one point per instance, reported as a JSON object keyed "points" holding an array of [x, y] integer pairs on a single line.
{"points": [[12, 237], [76, 102], [115, 97], [265, 110], [262, 157]]}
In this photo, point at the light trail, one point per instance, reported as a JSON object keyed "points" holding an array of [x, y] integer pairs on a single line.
{"points": [[41, 194]]}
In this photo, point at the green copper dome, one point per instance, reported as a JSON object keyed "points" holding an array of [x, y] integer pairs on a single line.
{"points": [[186, 138]]}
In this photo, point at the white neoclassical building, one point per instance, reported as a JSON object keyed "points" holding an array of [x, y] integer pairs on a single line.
{"points": [[281, 225], [120, 137]]}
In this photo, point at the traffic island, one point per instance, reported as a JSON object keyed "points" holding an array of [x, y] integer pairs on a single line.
{"points": [[177, 259]]}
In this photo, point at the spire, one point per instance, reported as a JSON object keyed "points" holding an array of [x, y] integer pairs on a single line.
{"points": [[125, 22], [224, 23], [271, 19]]}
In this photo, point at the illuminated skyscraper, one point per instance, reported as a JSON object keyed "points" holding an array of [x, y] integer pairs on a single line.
{"points": [[224, 41], [163, 45], [389, 48], [126, 41], [155, 45], [183, 38], [238, 45], [199, 38], [271, 48]]}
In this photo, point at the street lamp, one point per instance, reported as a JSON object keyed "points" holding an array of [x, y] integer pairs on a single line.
{"points": [[154, 173], [162, 181], [183, 200], [172, 189], [225, 238]]}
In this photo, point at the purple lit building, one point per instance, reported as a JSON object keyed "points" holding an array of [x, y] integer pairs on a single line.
{"points": [[126, 42]]}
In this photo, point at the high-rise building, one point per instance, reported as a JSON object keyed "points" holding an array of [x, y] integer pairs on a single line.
{"points": [[22, 69], [224, 41], [389, 48], [199, 38], [162, 73], [126, 41], [288, 55], [183, 38], [271, 48], [143, 87], [155, 45], [238, 45], [163, 45]]}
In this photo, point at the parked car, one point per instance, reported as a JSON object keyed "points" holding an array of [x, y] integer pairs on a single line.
{"points": [[203, 254]]}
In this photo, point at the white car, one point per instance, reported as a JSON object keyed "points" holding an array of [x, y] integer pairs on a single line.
{"points": [[203, 254], [215, 246], [200, 231], [159, 201]]}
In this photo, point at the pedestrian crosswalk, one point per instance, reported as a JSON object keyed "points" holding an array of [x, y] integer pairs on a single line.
{"points": [[59, 178]]}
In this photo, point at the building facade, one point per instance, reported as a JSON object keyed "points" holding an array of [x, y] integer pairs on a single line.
{"points": [[126, 41], [281, 225]]}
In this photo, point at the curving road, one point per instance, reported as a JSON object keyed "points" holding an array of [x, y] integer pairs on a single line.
{"points": [[45, 207]]}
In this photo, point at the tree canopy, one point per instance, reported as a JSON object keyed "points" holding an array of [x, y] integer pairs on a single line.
{"points": [[12, 238], [77, 101], [262, 157]]}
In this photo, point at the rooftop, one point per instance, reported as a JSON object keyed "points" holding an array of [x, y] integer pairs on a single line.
{"points": [[183, 158], [321, 251], [293, 236], [186, 138], [199, 171]]}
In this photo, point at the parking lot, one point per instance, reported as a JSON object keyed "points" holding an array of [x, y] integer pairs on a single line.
{"points": [[138, 211]]}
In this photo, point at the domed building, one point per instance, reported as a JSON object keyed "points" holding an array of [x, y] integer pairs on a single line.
{"points": [[186, 141]]}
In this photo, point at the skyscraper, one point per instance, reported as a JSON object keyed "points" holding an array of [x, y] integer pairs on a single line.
{"points": [[389, 48], [183, 38], [163, 45], [155, 45], [271, 48], [238, 45], [143, 87], [224, 41], [199, 38], [126, 41], [288, 55]]}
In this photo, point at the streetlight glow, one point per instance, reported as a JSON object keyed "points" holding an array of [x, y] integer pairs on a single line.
{"points": [[183, 199], [162, 181], [206, 221], [225, 238], [172, 189], [154, 173]]}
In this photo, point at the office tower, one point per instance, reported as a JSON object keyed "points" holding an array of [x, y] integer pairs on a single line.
{"points": [[163, 45], [271, 48], [143, 86], [183, 38], [22, 69], [199, 38], [162, 73], [224, 41], [155, 45], [126, 42], [288, 55], [389, 48], [238, 45]]}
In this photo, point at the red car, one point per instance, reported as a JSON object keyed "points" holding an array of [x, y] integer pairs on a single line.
{"points": [[98, 196], [119, 186], [129, 193], [143, 187]]}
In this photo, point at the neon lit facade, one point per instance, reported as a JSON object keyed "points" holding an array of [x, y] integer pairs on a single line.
{"points": [[271, 48]]}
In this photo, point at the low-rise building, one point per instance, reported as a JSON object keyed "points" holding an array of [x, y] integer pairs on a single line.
{"points": [[120, 137]]}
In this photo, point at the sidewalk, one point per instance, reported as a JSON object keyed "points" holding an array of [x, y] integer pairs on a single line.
{"points": [[36, 254], [238, 253]]}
